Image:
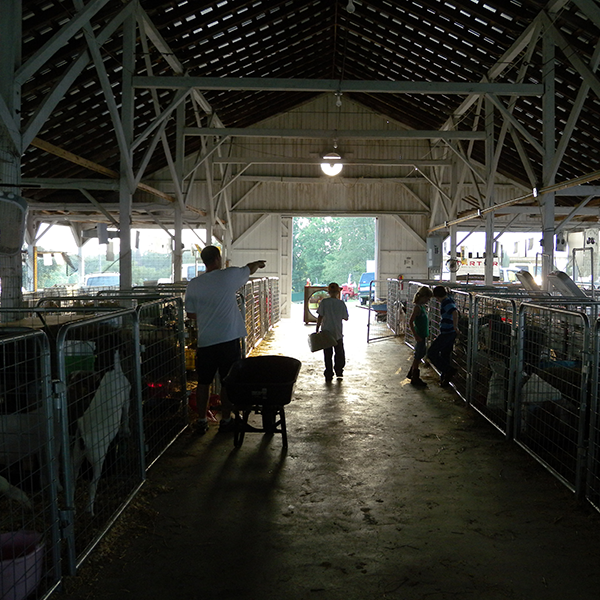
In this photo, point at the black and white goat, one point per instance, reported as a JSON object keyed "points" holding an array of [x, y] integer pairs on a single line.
{"points": [[107, 414]]}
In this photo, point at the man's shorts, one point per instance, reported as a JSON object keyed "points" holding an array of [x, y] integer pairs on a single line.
{"points": [[220, 357]]}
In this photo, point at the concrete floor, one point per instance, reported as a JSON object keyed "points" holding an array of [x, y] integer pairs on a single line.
{"points": [[386, 491]]}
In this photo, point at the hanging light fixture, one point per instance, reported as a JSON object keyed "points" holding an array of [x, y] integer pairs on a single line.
{"points": [[331, 164], [350, 8]]}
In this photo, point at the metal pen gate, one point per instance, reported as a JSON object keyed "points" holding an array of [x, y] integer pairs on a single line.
{"points": [[492, 360], [592, 490], [377, 305], [162, 339], [99, 395], [551, 389], [396, 303], [30, 527]]}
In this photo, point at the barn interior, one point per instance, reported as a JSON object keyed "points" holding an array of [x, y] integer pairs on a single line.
{"points": [[229, 118], [445, 116]]}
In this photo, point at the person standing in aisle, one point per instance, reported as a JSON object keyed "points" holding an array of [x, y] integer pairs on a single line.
{"points": [[211, 300], [440, 351], [331, 312], [419, 325]]}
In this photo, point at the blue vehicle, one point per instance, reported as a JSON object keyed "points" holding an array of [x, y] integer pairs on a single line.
{"points": [[364, 286]]}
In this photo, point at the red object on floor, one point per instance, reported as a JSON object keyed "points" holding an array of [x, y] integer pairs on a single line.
{"points": [[213, 401]]}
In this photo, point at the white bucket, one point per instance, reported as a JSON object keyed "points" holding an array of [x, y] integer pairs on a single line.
{"points": [[21, 563]]}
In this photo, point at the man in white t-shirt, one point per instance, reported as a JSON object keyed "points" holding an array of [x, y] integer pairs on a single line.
{"points": [[211, 300], [332, 311]]}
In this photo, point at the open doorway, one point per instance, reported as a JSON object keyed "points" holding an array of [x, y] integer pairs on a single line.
{"points": [[329, 249]]}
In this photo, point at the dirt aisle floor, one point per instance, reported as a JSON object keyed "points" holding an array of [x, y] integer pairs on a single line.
{"points": [[386, 491]]}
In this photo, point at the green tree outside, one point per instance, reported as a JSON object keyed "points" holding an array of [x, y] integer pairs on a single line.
{"points": [[331, 249]]}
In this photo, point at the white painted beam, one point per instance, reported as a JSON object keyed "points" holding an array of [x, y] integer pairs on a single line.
{"points": [[244, 160], [269, 84], [60, 38], [57, 93], [412, 233], [339, 134]]}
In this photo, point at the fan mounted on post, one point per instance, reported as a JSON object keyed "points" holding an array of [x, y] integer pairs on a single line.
{"points": [[453, 265]]}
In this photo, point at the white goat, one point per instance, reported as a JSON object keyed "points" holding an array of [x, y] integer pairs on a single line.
{"points": [[96, 429]]}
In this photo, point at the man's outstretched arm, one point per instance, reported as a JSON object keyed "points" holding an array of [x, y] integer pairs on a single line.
{"points": [[257, 264]]}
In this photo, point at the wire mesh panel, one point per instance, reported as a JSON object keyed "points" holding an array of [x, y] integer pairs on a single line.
{"points": [[493, 360], [258, 301], [551, 391], [256, 312], [163, 373], [274, 304], [377, 327], [97, 360], [462, 346], [29, 476], [264, 307], [593, 462], [83, 304], [246, 306], [461, 352], [592, 478], [396, 313]]}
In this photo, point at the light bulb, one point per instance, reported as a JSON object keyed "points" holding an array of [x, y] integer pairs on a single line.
{"points": [[350, 8], [332, 167]]}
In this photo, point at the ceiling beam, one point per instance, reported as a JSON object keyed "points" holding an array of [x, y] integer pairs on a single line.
{"points": [[590, 9], [244, 160], [69, 184], [59, 39], [52, 99], [531, 197], [335, 133], [268, 84], [583, 210], [315, 212], [92, 166], [85, 207]]}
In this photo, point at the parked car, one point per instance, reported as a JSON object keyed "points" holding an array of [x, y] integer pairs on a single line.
{"points": [[102, 280], [364, 286]]}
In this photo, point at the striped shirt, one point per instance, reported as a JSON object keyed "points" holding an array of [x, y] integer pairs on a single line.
{"points": [[447, 307]]}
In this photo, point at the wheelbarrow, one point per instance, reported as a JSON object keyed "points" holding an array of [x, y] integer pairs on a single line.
{"points": [[262, 385]]}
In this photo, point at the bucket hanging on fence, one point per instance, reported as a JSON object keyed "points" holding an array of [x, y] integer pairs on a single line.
{"points": [[21, 563]]}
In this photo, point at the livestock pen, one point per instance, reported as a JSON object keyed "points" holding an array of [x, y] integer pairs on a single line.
{"points": [[93, 390], [528, 362]]}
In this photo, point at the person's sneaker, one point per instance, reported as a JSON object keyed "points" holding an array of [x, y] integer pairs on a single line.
{"points": [[227, 426], [418, 383], [199, 427]]}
